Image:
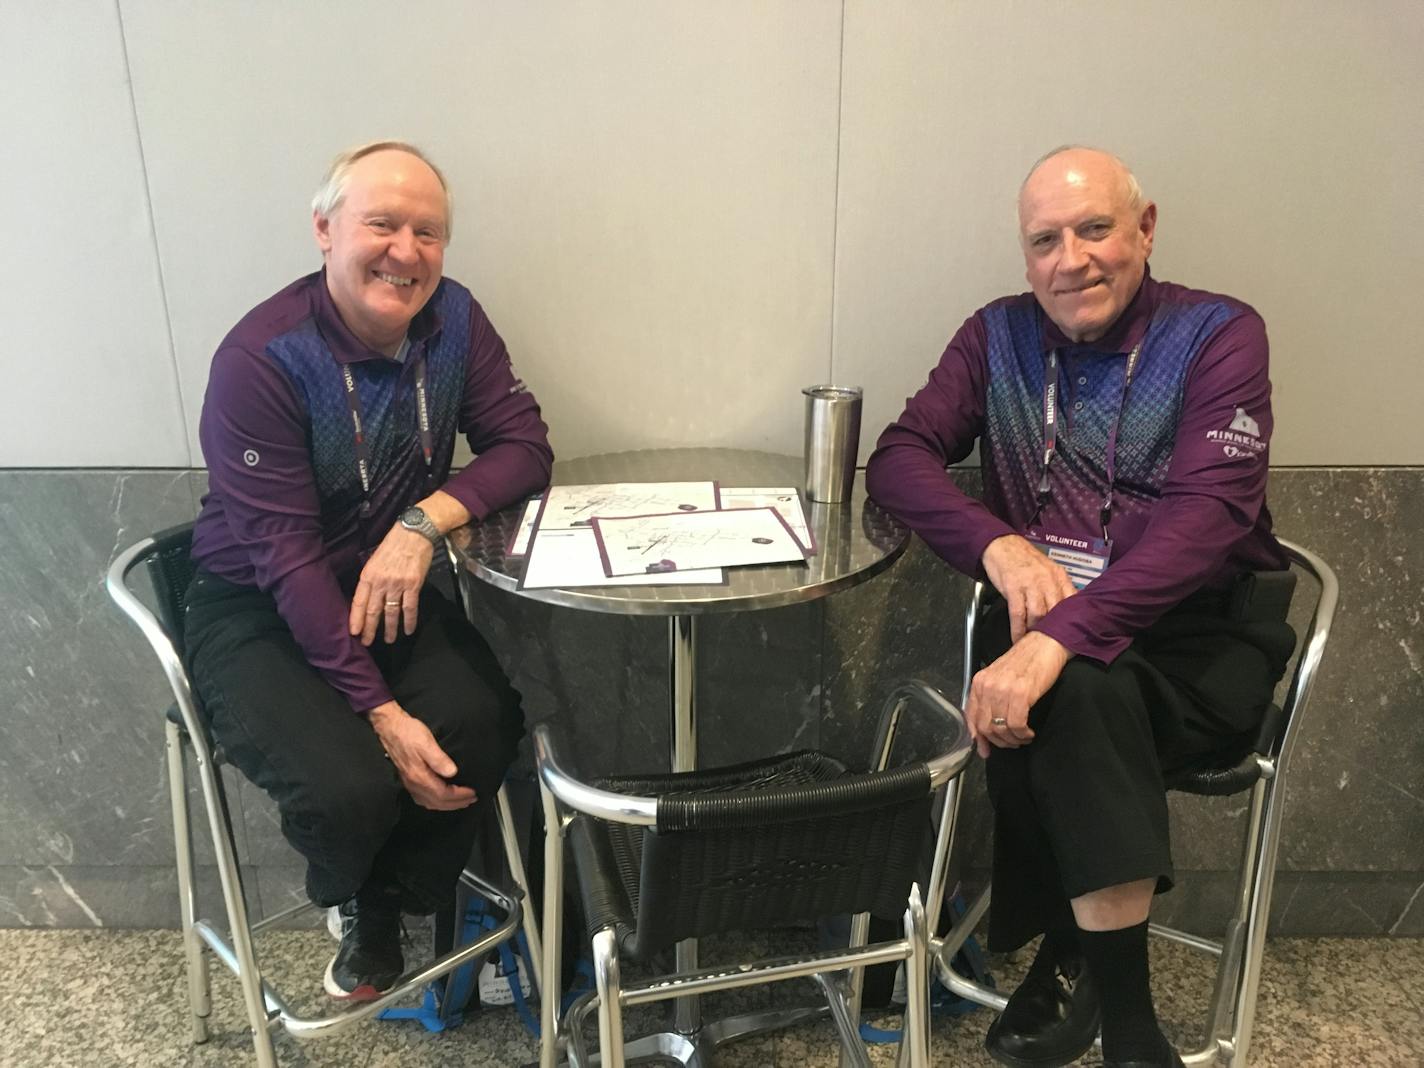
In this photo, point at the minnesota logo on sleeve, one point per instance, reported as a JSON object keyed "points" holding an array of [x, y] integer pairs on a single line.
{"points": [[1241, 438]]}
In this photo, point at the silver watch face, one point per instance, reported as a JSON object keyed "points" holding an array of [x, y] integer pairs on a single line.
{"points": [[413, 517]]}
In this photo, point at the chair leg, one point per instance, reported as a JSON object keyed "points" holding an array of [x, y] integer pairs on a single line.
{"points": [[915, 1041], [608, 980], [551, 987], [249, 975], [516, 868], [200, 1004], [1263, 877], [855, 978]]}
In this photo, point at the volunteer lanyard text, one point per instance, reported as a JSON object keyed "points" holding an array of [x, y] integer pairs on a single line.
{"points": [[363, 449]]}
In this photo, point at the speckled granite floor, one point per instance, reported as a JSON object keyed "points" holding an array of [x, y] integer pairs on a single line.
{"points": [[102, 998]]}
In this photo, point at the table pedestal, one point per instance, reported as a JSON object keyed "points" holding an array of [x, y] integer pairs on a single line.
{"points": [[682, 685]]}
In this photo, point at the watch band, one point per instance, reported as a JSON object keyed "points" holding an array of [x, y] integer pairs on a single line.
{"points": [[414, 518]]}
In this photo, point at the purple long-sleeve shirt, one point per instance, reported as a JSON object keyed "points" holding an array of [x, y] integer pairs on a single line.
{"points": [[1189, 491], [283, 509]]}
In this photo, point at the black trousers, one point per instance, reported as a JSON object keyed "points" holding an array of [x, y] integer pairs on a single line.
{"points": [[1083, 806], [342, 805]]}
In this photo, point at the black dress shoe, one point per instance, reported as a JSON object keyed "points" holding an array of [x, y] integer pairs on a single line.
{"points": [[1050, 1020]]}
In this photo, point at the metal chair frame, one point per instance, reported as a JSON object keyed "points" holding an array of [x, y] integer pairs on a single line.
{"points": [[1231, 1015], [838, 972], [267, 1011]]}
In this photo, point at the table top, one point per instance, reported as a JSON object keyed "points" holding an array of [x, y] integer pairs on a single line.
{"points": [[855, 540]]}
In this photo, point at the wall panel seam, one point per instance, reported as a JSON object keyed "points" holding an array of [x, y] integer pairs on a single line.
{"points": [[836, 198], [153, 234]]}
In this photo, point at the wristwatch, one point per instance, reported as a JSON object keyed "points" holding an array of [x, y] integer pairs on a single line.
{"points": [[414, 518]]}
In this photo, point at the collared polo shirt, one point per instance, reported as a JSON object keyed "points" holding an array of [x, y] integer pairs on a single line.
{"points": [[1189, 489], [284, 509]]}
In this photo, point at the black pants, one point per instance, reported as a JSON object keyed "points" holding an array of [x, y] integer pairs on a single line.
{"points": [[342, 805], [1083, 806]]}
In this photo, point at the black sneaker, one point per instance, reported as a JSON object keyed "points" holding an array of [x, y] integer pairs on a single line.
{"points": [[369, 961]]}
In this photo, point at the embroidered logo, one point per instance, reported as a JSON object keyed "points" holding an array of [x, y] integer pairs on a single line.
{"points": [[1241, 438], [1245, 424], [250, 457]]}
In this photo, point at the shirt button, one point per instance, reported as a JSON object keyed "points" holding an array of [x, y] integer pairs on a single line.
{"points": [[1078, 407], [1083, 381]]}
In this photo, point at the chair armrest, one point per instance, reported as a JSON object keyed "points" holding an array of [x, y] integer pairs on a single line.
{"points": [[919, 694], [560, 778]]}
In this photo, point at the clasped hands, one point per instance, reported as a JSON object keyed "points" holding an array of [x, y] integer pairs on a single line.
{"points": [[1001, 694]]}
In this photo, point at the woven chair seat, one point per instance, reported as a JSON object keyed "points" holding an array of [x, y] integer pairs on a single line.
{"points": [[767, 843]]}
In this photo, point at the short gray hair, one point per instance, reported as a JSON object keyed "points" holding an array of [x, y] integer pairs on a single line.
{"points": [[332, 190], [1136, 199]]}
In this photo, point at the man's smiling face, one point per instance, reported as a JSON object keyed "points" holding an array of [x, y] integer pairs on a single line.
{"points": [[384, 245], [1085, 243]]}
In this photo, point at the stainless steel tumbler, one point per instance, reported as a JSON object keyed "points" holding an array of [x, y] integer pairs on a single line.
{"points": [[832, 441]]}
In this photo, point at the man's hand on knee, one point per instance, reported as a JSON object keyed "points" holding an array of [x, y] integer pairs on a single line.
{"points": [[1001, 695], [1030, 582], [423, 766]]}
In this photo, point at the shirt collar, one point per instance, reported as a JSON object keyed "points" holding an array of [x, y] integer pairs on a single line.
{"points": [[1124, 335], [346, 347]]}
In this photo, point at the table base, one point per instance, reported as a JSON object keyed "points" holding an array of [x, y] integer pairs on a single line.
{"points": [[697, 1050]]}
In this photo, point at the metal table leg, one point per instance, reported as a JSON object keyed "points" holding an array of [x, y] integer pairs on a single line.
{"points": [[682, 684]]}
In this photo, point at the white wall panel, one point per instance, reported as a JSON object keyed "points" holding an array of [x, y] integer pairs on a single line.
{"points": [[645, 192], [1283, 144], [88, 368]]}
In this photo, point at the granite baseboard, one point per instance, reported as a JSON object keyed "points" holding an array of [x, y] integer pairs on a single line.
{"points": [[84, 826]]}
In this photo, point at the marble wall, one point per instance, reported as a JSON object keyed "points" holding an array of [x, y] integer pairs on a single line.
{"points": [[84, 827]]}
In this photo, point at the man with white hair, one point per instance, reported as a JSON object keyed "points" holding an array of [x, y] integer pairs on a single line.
{"points": [[1123, 425], [351, 691]]}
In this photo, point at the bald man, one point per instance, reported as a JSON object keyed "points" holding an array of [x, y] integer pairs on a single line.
{"points": [[1123, 425], [335, 678]]}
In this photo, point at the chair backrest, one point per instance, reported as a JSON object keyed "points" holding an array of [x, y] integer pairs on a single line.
{"points": [[165, 558], [1310, 647], [764, 844], [170, 569]]}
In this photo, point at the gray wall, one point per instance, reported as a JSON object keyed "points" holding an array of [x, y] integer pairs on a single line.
{"points": [[678, 214], [747, 198]]}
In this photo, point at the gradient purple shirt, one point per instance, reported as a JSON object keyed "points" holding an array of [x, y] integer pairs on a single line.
{"points": [[1189, 490], [283, 509]]}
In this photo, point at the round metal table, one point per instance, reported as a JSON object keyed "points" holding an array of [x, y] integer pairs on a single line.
{"points": [[855, 541]]}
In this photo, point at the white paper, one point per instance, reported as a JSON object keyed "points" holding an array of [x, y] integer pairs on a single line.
{"points": [[526, 528], [787, 502], [574, 506], [570, 558], [682, 541], [557, 560]]}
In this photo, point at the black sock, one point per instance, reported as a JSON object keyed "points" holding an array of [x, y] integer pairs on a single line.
{"points": [[1118, 963], [1059, 949]]}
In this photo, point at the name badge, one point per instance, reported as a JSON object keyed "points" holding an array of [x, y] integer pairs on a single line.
{"points": [[1083, 558]]}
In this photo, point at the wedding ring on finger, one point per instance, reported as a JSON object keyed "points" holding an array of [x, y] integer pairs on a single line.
{"points": [[393, 604], [998, 721]]}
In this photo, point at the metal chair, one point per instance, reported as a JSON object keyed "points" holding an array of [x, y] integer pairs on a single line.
{"points": [[165, 559], [795, 838], [1231, 1015]]}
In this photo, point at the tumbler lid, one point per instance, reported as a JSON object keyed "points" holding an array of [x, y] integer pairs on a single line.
{"points": [[834, 393]]}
